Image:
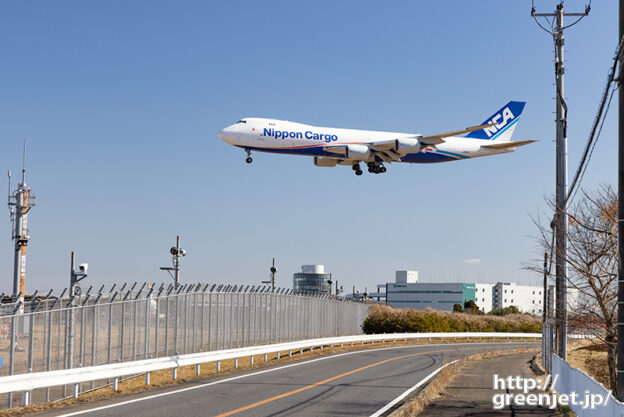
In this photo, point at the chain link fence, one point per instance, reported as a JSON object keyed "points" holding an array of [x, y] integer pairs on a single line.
{"points": [[128, 325]]}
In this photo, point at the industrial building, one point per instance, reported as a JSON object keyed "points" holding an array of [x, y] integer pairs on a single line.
{"points": [[407, 292], [312, 278]]}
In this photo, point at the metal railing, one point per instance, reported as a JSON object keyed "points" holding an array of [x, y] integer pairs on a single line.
{"points": [[149, 322]]}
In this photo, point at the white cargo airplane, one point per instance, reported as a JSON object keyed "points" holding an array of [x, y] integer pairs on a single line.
{"points": [[332, 146]]}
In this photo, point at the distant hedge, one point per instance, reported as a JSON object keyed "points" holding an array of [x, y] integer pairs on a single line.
{"points": [[384, 319]]}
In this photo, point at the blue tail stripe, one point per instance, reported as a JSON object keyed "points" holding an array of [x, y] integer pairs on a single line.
{"points": [[507, 116]]}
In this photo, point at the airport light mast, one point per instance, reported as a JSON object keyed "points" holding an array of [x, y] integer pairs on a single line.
{"points": [[177, 252], [20, 202], [271, 281]]}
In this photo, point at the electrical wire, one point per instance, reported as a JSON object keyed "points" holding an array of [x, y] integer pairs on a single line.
{"points": [[598, 120]]}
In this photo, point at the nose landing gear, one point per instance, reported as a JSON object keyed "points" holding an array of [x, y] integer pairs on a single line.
{"points": [[249, 159]]}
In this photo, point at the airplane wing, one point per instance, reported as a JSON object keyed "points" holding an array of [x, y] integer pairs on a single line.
{"points": [[383, 149], [506, 145]]}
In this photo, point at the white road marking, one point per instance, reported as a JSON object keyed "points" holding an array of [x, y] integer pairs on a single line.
{"points": [[409, 391]]}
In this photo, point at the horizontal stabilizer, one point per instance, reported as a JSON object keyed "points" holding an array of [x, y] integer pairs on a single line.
{"points": [[437, 139], [505, 145]]}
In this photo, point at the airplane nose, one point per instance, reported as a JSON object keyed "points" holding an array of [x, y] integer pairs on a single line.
{"points": [[228, 135]]}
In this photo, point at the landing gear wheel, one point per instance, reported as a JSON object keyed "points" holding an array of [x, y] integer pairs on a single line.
{"points": [[371, 169], [382, 169], [355, 167], [249, 160], [358, 172]]}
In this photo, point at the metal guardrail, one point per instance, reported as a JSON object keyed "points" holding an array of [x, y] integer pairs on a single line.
{"points": [[27, 382]]}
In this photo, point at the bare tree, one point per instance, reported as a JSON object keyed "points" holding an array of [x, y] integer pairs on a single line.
{"points": [[592, 263]]}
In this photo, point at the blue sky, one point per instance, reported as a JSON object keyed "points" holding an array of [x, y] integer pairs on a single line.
{"points": [[121, 101]]}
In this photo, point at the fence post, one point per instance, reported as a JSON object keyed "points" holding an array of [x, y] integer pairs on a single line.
{"points": [[175, 324], [12, 356], [49, 349], [203, 303], [148, 300], [123, 330], [193, 349], [210, 320]]}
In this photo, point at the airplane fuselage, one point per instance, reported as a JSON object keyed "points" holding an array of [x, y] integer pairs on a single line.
{"points": [[279, 136]]}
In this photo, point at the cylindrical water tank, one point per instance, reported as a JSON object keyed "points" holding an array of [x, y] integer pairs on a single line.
{"points": [[313, 269]]}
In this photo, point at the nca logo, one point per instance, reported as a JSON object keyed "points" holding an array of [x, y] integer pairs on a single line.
{"points": [[506, 116]]}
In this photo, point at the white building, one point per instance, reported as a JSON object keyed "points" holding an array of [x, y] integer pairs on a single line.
{"points": [[528, 298], [483, 296], [406, 277]]}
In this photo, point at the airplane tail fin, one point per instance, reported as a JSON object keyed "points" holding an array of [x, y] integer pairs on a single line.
{"points": [[505, 121]]}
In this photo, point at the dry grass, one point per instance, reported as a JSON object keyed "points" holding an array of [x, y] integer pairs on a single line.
{"points": [[185, 374], [591, 357], [384, 319], [437, 388]]}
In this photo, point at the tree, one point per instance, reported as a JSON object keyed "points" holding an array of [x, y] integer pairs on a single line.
{"points": [[592, 261], [457, 308], [471, 307], [504, 311]]}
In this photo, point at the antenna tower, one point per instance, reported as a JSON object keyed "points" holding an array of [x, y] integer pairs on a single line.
{"points": [[20, 202]]}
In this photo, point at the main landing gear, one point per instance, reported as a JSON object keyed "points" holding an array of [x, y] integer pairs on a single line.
{"points": [[376, 168], [357, 169], [249, 159]]}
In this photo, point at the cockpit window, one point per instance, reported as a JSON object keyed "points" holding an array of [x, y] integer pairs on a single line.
{"points": [[241, 121]]}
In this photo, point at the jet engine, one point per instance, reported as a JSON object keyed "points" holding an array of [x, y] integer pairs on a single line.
{"points": [[319, 161], [357, 152], [405, 146]]}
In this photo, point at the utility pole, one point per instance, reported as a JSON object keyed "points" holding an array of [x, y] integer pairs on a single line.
{"points": [[620, 328], [177, 253], [560, 222], [20, 203], [271, 281]]}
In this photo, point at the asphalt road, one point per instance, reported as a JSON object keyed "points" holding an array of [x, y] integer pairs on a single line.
{"points": [[358, 383], [470, 394]]}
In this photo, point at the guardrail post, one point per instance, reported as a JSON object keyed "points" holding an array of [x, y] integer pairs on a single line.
{"points": [[26, 398], [116, 384], [251, 360], [290, 353], [235, 362], [218, 366], [174, 374], [277, 356], [197, 369], [147, 378], [265, 357], [301, 351]]}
